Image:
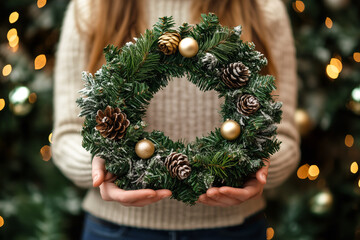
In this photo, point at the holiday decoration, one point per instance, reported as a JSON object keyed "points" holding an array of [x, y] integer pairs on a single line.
{"points": [[248, 104], [188, 47], [112, 123], [178, 165], [144, 149], [134, 73], [230, 130], [169, 42], [235, 75]]}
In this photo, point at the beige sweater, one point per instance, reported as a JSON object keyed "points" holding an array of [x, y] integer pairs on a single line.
{"points": [[181, 110]]}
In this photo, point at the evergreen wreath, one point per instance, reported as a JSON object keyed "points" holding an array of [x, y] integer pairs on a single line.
{"points": [[115, 100]]}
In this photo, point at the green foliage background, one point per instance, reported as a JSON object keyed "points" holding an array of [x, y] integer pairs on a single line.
{"points": [[37, 202]]}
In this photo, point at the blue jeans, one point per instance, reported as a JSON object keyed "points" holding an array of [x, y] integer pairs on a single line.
{"points": [[254, 228]]}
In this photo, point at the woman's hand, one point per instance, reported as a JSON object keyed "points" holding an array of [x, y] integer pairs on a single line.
{"points": [[110, 192], [229, 196]]}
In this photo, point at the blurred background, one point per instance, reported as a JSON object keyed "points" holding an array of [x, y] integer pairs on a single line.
{"points": [[321, 199]]}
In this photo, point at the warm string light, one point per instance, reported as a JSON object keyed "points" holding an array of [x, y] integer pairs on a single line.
{"points": [[334, 68], [11, 34], [354, 168], [40, 62], [1, 221], [41, 3], [2, 103], [349, 140], [298, 6], [45, 152], [6, 70], [328, 23], [14, 16], [270, 233]]}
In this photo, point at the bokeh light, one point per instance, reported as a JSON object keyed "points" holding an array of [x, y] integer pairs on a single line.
{"points": [[356, 56], [11, 34], [50, 137], [328, 22], [355, 94], [14, 16], [337, 63], [1, 221], [349, 140], [313, 172], [45, 152], [354, 167], [298, 6], [270, 233], [41, 3], [6, 70], [32, 98], [40, 62], [2, 103], [302, 171], [332, 71], [14, 42]]}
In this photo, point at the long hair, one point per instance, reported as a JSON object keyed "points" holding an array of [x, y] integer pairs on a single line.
{"points": [[119, 21]]}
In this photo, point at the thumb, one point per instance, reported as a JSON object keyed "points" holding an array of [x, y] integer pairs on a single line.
{"points": [[261, 175], [98, 171]]}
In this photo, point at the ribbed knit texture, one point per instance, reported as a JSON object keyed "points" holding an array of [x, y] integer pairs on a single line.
{"points": [[181, 110]]}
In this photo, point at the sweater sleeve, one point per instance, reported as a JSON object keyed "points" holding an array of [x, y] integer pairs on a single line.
{"points": [[68, 154], [284, 162]]}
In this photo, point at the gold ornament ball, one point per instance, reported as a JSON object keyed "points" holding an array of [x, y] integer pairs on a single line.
{"points": [[144, 149], [230, 130], [188, 47]]}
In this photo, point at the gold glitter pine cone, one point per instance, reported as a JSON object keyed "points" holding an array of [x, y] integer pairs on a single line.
{"points": [[112, 123], [169, 42], [178, 165]]}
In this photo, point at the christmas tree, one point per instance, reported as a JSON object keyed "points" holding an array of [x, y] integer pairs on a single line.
{"points": [[36, 201], [321, 200]]}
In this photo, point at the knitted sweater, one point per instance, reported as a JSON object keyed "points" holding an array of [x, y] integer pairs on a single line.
{"points": [[181, 110]]}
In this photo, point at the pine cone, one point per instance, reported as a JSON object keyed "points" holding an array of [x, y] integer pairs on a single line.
{"points": [[178, 165], [169, 42], [112, 123], [235, 75], [248, 104]]}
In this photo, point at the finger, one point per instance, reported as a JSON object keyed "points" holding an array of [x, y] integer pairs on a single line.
{"points": [[98, 171], [261, 175], [109, 177], [252, 189], [160, 194], [214, 194], [204, 199], [112, 192]]}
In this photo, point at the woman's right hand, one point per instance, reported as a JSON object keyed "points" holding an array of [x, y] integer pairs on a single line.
{"points": [[110, 192]]}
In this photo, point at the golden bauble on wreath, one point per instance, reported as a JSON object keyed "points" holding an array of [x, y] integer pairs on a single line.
{"points": [[230, 130], [144, 148], [188, 47]]}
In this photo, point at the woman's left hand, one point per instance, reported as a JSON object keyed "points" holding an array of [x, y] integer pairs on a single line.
{"points": [[229, 196]]}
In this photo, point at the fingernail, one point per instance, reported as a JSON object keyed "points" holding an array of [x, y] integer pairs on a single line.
{"points": [[150, 196]]}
